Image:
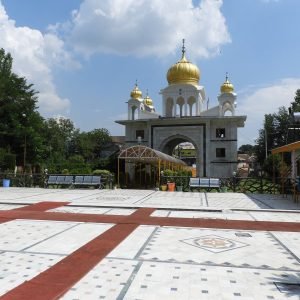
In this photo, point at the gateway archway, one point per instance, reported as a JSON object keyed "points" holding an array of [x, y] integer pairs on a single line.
{"points": [[183, 148]]}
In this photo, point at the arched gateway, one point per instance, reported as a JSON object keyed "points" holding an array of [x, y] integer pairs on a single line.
{"points": [[169, 145], [187, 118]]}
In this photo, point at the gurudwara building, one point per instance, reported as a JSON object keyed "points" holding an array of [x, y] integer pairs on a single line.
{"points": [[187, 118]]}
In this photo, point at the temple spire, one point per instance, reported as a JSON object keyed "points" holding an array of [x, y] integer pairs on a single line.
{"points": [[183, 48]]}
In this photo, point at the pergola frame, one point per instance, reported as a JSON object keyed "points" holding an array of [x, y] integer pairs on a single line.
{"points": [[146, 155], [292, 148], [289, 148]]}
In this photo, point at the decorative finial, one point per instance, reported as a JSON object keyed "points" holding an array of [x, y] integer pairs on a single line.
{"points": [[147, 93], [183, 47], [136, 83], [226, 76]]}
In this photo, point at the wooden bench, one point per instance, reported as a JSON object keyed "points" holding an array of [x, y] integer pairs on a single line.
{"points": [[207, 183], [88, 180], [59, 180]]}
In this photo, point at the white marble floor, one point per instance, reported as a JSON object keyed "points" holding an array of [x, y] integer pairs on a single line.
{"points": [[158, 262]]}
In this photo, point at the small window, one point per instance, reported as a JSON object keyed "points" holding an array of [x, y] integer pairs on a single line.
{"points": [[220, 132], [220, 152], [139, 133]]}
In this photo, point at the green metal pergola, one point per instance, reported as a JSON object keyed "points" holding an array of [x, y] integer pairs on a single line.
{"points": [[146, 155]]}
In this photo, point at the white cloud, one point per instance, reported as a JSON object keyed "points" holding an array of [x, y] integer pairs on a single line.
{"points": [[34, 56], [261, 101], [143, 27]]}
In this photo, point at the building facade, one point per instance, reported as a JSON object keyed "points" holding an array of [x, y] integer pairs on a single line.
{"points": [[186, 118]]}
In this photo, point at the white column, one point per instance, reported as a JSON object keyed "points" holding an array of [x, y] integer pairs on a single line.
{"points": [[174, 108], [197, 108], [185, 108]]}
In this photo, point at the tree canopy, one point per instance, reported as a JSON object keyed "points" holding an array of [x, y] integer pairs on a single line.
{"points": [[276, 132], [26, 138]]}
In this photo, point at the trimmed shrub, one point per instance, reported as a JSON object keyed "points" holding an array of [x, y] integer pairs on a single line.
{"points": [[102, 172]]}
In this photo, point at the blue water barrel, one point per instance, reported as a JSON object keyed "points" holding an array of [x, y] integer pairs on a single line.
{"points": [[6, 182]]}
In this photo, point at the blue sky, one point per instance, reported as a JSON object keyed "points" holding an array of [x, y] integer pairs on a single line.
{"points": [[85, 55]]}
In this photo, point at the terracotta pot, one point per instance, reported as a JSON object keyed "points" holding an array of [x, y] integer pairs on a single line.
{"points": [[171, 186]]}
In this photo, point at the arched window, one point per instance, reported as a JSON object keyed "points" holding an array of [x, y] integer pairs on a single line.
{"points": [[228, 113], [180, 107], [134, 113], [192, 106], [227, 109]]}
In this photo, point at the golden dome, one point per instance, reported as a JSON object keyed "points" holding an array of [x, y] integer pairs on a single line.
{"points": [[227, 86], [136, 93], [183, 71], [148, 101]]}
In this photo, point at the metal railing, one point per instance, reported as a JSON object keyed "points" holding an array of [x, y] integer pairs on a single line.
{"points": [[261, 185], [40, 179], [254, 185]]}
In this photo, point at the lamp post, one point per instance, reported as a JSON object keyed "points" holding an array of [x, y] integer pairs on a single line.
{"points": [[266, 143], [234, 181], [25, 142]]}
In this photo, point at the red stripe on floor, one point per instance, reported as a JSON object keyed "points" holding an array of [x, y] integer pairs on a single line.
{"points": [[10, 215], [54, 282], [141, 217]]}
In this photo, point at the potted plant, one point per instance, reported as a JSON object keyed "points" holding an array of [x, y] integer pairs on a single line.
{"points": [[169, 174], [181, 179], [163, 186], [179, 183]]}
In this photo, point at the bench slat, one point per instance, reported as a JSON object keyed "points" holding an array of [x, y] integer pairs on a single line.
{"points": [[205, 183]]}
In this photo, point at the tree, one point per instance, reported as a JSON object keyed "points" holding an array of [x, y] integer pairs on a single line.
{"points": [[91, 144], [275, 132], [273, 135], [20, 122], [247, 149], [296, 104], [26, 138]]}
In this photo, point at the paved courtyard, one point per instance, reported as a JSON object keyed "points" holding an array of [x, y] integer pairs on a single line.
{"points": [[142, 244]]}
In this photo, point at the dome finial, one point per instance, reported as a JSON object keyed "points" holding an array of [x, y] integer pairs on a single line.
{"points": [[183, 48], [227, 86], [183, 71], [147, 100], [136, 93]]}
